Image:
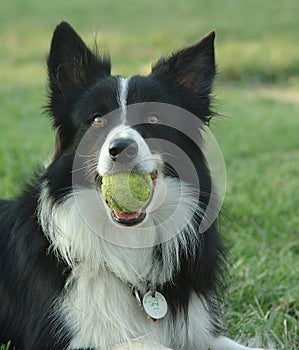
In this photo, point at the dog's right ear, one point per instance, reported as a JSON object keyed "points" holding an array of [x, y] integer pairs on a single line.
{"points": [[71, 68], [189, 73]]}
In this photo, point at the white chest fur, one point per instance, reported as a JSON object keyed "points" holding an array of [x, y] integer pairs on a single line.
{"points": [[101, 311]]}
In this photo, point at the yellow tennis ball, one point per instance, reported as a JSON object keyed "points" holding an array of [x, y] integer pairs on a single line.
{"points": [[126, 192]]}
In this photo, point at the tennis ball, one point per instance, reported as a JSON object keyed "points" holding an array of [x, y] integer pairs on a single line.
{"points": [[126, 192]]}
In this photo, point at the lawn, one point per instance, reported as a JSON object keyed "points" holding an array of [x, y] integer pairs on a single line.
{"points": [[257, 94]]}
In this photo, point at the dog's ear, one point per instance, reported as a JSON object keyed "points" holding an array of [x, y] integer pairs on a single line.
{"points": [[192, 67], [71, 68]]}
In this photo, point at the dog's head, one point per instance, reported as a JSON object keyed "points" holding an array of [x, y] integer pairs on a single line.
{"points": [[133, 124]]}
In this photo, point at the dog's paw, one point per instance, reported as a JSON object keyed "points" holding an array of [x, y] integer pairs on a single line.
{"points": [[140, 345]]}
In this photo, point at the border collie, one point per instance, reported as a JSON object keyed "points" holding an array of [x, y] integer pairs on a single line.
{"points": [[76, 274]]}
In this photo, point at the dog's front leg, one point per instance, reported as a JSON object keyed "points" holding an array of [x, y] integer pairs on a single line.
{"points": [[140, 345], [224, 343]]}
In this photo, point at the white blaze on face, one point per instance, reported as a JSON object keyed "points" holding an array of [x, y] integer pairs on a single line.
{"points": [[146, 161], [123, 88]]}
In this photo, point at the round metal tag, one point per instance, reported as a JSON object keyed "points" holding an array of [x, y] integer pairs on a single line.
{"points": [[155, 306]]}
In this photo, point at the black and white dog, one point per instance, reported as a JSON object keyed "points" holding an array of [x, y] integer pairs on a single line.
{"points": [[66, 281]]}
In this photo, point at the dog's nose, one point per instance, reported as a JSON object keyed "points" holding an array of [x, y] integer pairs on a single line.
{"points": [[125, 149]]}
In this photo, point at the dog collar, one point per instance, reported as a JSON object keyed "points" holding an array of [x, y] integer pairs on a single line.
{"points": [[152, 302]]}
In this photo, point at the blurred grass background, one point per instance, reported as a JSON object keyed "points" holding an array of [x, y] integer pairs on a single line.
{"points": [[257, 90]]}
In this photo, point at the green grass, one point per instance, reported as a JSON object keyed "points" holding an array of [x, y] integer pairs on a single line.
{"points": [[257, 91], [260, 143], [254, 40], [5, 346]]}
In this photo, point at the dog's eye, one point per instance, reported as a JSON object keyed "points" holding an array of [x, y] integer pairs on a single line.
{"points": [[152, 119], [98, 120]]}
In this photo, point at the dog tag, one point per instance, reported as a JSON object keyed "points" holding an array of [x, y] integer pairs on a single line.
{"points": [[154, 306]]}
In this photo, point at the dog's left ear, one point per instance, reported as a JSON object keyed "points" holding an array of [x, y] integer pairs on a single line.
{"points": [[192, 67], [72, 67]]}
